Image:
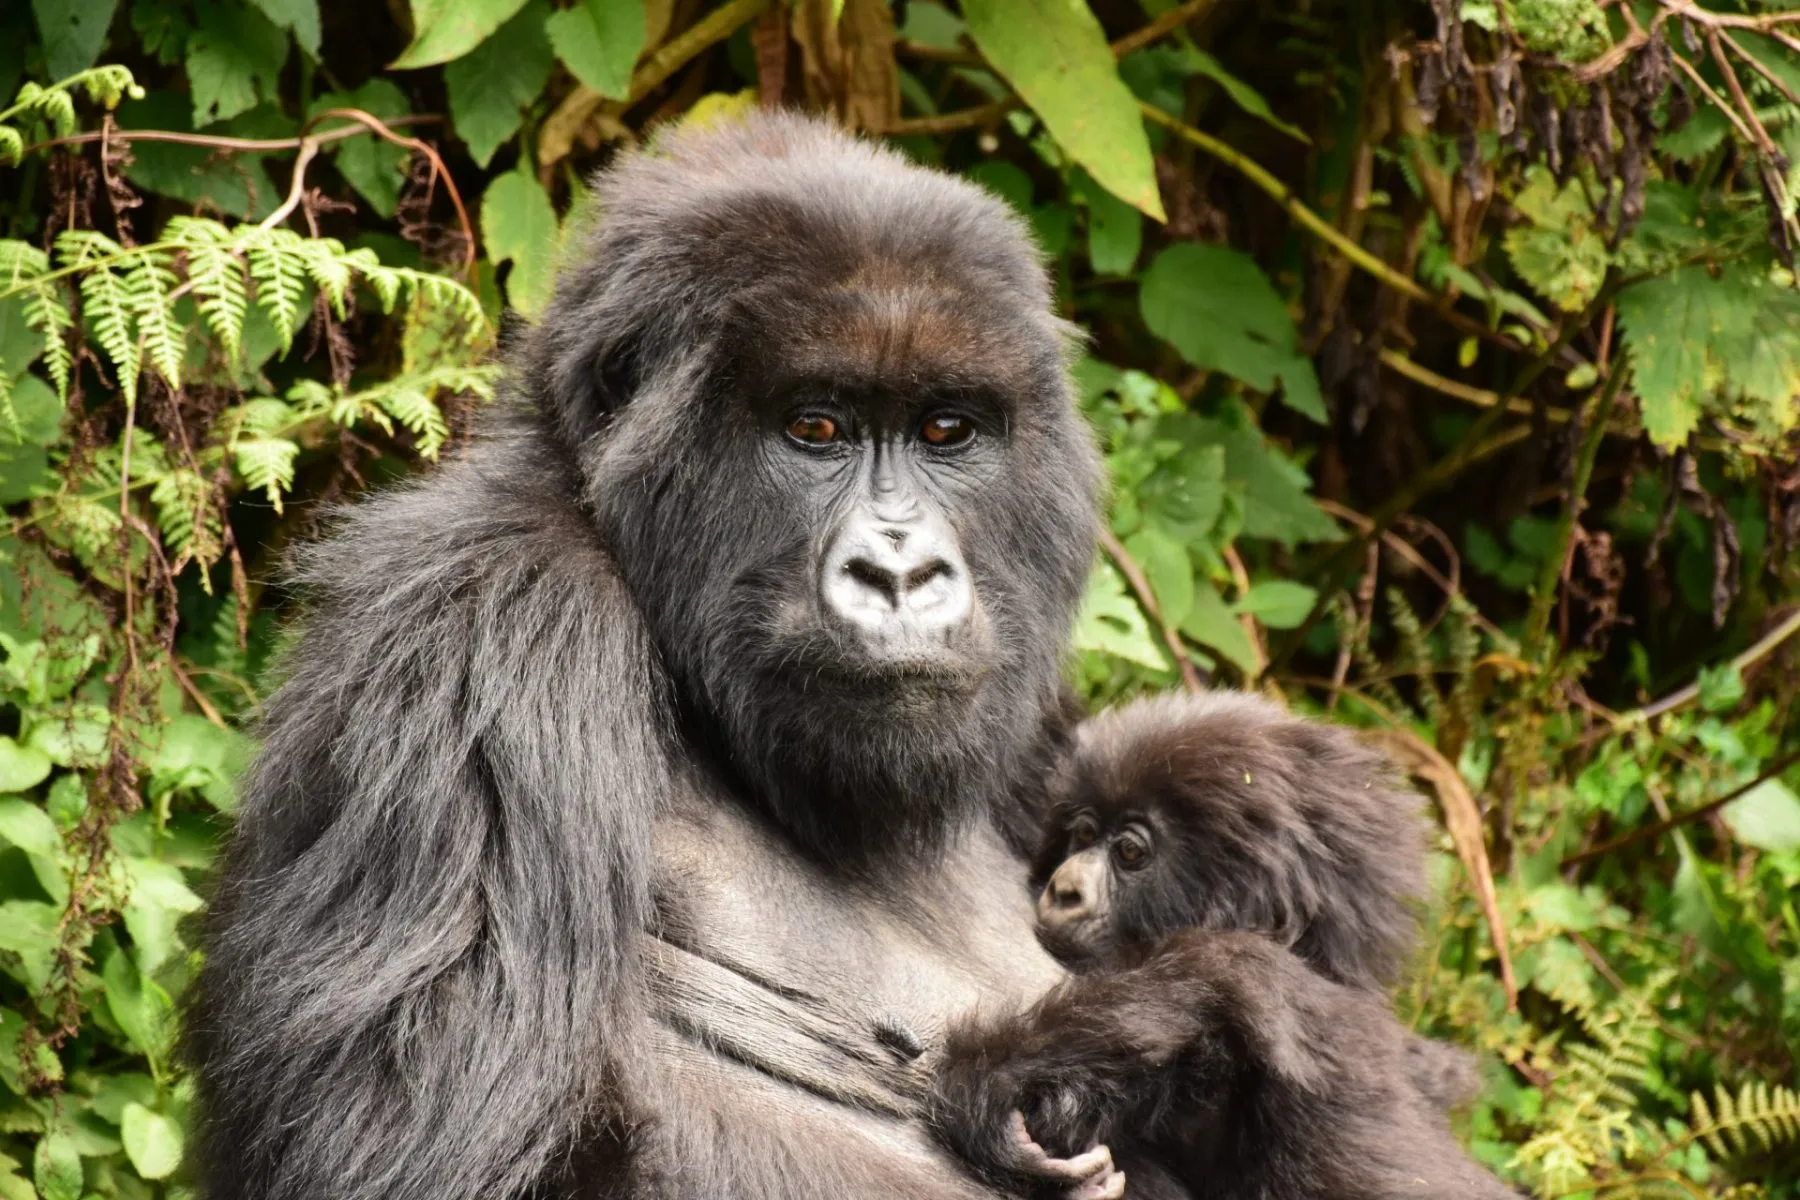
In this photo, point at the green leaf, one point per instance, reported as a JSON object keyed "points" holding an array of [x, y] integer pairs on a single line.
{"points": [[448, 29], [1277, 603], [152, 1141], [158, 899], [74, 738], [1767, 817], [1112, 623], [1166, 565], [36, 413], [1115, 229], [518, 225], [374, 166], [21, 767], [301, 17], [14, 1066], [234, 60], [24, 473], [1186, 491], [1054, 54], [492, 86], [1211, 622], [118, 1090], [235, 184], [196, 755], [73, 32], [28, 928], [141, 1006], [1219, 310], [599, 41], [1558, 253], [1273, 490], [28, 827], [1241, 93], [56, 1165]]}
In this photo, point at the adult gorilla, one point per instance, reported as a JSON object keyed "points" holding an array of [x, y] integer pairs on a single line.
{"points": [[643, 794]]}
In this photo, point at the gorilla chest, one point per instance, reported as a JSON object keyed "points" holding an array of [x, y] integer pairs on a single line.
{"points": [[832, 984]]}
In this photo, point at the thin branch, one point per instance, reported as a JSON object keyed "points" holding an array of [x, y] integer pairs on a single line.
{"points": [[953, 122], [235, 145], [1543, 596], [1140, 586], [1410, 553], [1649, 832], [1761, 649], [1756, 65], [714, 28], [1170, 21]]}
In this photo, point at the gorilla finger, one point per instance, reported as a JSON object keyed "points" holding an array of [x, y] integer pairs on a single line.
{"points": [[1033, 1159], [1110, 1186]]}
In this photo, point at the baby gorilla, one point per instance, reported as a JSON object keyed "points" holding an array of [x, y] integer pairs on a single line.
{"points": [[1204, 853]]}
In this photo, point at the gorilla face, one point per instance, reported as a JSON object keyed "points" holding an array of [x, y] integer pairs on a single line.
{"points": [[853, 498]]}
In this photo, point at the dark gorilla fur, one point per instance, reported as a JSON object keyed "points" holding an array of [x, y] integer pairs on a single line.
{"points": [[1228, 1062], [1192, 843], [1253, 819], [592, 850], [420, 979]]}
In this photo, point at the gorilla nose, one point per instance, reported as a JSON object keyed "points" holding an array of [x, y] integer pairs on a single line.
{"points": [[1062, 902], [909, 579]]}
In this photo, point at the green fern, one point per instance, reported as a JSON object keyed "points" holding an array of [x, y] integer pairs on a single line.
{"points": [[150, 283], [22, 268], [55, 105], [279, 267], [1759, 1118], [107, 304], [215, 271], [191, 524]]}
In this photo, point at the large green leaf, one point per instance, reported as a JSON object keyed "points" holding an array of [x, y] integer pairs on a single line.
{"points": [[1699, 338], [372, 165], [234, 61], [73, 32], [492, 85], [1054, 54], [599, 41], [300, 17], [152, 1141], [1767, 817], [1112, 623], [518, 225], [1217, 307], [1211, 622], [1271, 489], [448, 29]]}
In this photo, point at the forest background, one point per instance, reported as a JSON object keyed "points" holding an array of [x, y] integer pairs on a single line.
{"points": [[1445, 358]]}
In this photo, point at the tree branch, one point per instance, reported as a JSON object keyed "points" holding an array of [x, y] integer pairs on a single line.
{"points": [[1140, 586]]}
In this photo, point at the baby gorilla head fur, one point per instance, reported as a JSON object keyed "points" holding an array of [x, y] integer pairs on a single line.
{"points": [[1224, 812]]}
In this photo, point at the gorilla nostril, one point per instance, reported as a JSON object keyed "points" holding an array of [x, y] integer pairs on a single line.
{"points": [[876, 579], [1063, 896], [919, 576]]}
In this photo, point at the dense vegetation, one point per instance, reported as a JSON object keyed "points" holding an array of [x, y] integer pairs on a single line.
{"points": [[1445, 357]]}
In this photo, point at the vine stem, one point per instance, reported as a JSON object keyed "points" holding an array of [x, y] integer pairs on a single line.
{"points": [[1543, 596]]}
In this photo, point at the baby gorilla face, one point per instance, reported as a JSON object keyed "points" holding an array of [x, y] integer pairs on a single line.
{"points": [[1108, 861]]}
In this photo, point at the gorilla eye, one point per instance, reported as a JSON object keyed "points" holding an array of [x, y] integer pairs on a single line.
{"points": [[946, 430], [813, 429], [1132, 850], [1082, 834]]}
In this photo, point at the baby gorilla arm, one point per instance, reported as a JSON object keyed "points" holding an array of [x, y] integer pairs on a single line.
{"points": [[1222, 1054]]}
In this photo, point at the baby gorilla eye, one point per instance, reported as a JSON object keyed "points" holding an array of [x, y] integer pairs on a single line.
{"points": [[813, 429], [1132, 849], [1082, 834], [946, 429]]}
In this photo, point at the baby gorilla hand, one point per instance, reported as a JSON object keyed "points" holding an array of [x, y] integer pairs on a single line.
{"points": [[1087, 1176], [976, 1110]]}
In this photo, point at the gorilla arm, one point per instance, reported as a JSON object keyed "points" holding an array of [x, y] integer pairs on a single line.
{"points": [[1238, 1067], [441, 857]]}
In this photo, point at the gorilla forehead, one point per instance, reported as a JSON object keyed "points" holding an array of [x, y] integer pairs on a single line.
{"points": [[782, 246]]}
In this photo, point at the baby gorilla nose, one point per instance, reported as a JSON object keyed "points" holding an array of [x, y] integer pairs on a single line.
{"points": [[1074, 893], [897, 581]]}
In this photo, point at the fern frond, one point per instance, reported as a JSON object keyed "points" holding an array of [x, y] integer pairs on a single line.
{"points": [[106, 301], [1758, 1118], [216, 273], [278, 266], [189, 521], [149, 283], [331, 271], [415, 410], [9, 416], [21, 266], [266, 463]]}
